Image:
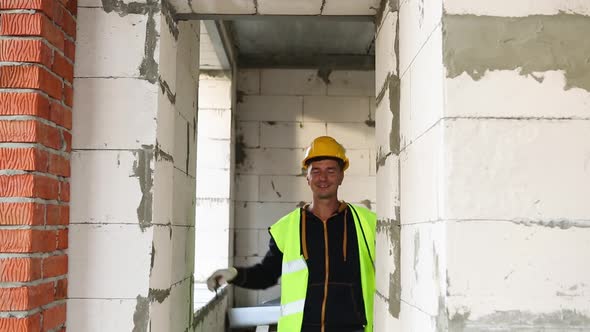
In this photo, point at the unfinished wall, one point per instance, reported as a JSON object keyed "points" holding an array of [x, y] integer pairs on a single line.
{"points": [[409, 79], [518, 90], [279, 113], [133, 169], [214, 209], [483, 223]]}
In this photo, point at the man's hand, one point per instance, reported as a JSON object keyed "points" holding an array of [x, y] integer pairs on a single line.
{"points": [[221, 277]]}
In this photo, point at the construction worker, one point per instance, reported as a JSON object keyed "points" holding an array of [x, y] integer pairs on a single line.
{"points": [[323, 252]]}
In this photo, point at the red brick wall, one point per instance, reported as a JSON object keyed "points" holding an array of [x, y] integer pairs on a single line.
{"points": [[36, 75]]}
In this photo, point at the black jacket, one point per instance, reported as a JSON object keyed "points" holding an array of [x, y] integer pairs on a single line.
{"points": [[338, 298]]}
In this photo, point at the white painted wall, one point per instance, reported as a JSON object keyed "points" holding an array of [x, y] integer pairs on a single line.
{"points": [[133, 180], [279, 114]]}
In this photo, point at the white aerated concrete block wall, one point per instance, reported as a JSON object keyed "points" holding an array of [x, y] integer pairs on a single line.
{"points": [[133, 178], [516, 196], [491, 225], [279, 113], [410, 237], [214, 236]]}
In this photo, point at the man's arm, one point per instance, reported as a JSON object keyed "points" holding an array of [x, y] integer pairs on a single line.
{"points": [[263, 274]]}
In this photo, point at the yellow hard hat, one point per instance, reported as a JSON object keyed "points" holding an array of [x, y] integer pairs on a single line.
{"points": [[325, 146]]}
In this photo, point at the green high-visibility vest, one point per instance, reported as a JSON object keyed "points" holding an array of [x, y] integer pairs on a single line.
{"points": [[286, 233]]}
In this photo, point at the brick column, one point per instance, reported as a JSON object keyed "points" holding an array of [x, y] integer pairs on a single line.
{"points": [[36, 75]]}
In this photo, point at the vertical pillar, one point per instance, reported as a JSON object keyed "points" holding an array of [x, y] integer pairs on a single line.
{"points": [[133, 168], [36, 76]]}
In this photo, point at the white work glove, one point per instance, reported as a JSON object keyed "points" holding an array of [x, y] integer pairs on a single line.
{"points": [[221, 277]]}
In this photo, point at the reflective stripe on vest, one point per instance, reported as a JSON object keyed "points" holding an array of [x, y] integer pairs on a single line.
{"points": [[286, 233], [292, 308], [294, 266]]}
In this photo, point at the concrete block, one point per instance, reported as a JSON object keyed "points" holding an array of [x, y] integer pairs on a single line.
{"points": [[521, 8], [384, 321], [184, 196], [105, 187], [284, 189], [170, 314], [350, 7], [518, 268], [425, 90], [385, 57], [114, 113], [183, 253], [413, 319], [214, 123], [186, 88], [360, 162], [166, 119], [213, 154], [385, 261], [89, 314], [388, 188], [248, 133], [275, 7], [163, 192], [356, 189], [418, 20], [167, 53], [335, 109], [289, 82], [246, 242], [422, 181], [508, 94], [109, 261], [183, 137], [423, 273], [260, 215], [161, 256], [352, 83], [249, 81], [383, 121], [271, 161], [247, 188], [213, 183], [223, 7], [352, 135], [109, 45], [270, 108], [506, 170], [212, 213], [215, 93], [290, 134]]}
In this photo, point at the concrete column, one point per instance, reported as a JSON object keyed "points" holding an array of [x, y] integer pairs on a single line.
{"points": [[133, 169], [482, 126]]}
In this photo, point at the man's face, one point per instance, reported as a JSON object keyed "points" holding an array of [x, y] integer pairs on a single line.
{"points": [[324, 177]]}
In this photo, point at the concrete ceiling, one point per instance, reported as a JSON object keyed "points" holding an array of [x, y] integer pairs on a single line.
{"points": [[304, 42], [277, 7]]}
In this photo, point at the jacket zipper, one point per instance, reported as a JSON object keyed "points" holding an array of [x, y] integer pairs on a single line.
{"points": [[326, 258]]}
